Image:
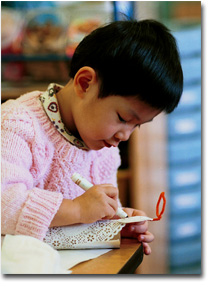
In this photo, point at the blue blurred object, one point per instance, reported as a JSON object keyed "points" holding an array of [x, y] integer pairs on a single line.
{"points": [[184, 161], [185, 202], [189, 42], [123, 10], [185, 257], [185, 124], [28, 5]]}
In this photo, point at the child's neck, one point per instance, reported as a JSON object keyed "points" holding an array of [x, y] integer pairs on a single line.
{"points": [[65, 98]]}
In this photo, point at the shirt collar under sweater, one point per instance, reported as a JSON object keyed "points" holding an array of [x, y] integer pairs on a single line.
{"points": [[50, 105]]}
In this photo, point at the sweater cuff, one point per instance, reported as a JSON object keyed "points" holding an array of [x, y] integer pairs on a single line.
{"points": [[38, 212]]}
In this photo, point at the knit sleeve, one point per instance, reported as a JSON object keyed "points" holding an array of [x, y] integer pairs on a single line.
{"points": [[105, 166], [26, 209]]}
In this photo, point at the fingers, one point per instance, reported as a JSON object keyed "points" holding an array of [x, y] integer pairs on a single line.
{"points": [[109, 194], [146, 237], [111, 209], [110, 190], [142, 237], [138, 230], [139, 227], [99, 201], [134, 212], [134, 230], [147, 248]]}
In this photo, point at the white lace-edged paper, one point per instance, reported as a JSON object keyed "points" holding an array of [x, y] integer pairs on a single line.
{"points": [[99, 234], [81, 236]]}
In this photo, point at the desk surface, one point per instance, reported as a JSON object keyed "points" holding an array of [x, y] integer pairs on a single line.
{"points": [[117, 261]]}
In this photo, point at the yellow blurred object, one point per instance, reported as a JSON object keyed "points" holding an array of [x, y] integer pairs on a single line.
{"points": [[45, 33]]}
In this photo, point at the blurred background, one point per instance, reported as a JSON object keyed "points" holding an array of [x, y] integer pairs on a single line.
{"points": [[38, 39]]}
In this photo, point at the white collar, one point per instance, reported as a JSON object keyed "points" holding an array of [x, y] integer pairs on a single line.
{"points": [[51, 107]]}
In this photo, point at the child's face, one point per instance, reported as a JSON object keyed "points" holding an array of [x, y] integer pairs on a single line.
{"points": [[108, 121]]}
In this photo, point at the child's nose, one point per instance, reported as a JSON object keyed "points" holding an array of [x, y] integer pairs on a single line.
{"points": [[123, 135]]}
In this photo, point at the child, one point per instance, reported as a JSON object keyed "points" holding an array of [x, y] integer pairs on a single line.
{"points": [[122, 75]]}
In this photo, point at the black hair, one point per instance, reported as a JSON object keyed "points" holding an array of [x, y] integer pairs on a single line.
{"points": [[134, 58]]}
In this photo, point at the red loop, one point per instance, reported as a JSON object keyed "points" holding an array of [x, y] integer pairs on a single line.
{"points": [[159, 215]]}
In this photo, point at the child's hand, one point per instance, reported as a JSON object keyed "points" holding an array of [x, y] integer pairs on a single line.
{"points": [[138, 230], [98, 202]]}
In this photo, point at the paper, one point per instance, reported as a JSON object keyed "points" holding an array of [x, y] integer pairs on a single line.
{"points": [[27, 255], [70, 258], [22, 254], [134, 219], [100, 234]]}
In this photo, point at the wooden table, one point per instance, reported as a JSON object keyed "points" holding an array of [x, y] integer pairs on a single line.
{"points": [[117, 261]]}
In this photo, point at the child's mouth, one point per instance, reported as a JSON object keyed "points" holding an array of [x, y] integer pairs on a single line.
{"points": [[107, 144]]}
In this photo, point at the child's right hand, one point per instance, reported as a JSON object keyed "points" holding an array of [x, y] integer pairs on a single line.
{"points": [[98, 202]]}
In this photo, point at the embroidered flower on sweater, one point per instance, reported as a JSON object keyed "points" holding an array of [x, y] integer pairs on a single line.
{"points": [[51, 107]]}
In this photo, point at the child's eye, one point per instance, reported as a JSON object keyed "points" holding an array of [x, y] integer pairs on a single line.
{"points": [[121, 119]]}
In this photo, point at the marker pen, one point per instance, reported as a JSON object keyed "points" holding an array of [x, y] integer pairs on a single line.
{"points": [[85, 185]]}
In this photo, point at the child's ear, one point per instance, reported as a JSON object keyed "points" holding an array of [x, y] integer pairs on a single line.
{"points": [[84, 79]]}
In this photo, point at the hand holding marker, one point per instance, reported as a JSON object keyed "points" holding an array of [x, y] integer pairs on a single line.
{"points": [[85, 185]]}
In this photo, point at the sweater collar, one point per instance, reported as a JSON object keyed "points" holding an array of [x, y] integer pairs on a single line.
{"points": [[51, 107]]}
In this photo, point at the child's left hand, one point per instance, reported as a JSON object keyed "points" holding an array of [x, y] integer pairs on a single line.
{"points": [[138, 230]]}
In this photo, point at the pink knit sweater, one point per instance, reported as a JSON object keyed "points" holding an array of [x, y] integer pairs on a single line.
{"points": [[37, 164]]}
